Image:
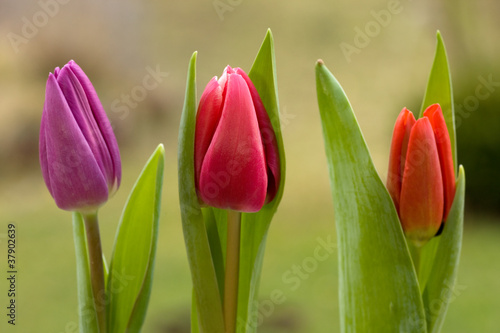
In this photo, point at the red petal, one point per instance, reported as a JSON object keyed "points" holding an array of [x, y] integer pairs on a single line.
{"points": [[207, 119], [436, 118], [233, 172], [421, 201], [268, 139], [399, 145]]}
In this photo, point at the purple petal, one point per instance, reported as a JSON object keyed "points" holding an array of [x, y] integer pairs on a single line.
{"points": [[43, 149], [92, 120], [70, 169]]}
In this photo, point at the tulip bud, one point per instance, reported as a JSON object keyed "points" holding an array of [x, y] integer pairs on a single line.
{"points": [[421, 178], [236, 153], [79, 154]]}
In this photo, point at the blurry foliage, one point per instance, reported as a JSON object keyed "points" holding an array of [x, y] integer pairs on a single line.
{"points": [[477, 107]]}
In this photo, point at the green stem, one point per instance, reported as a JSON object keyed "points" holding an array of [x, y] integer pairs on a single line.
{"points": [[416, 253], [96, 268], [232, 270]]}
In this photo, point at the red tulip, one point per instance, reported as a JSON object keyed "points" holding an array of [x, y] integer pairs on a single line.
{"points": [[421, 178], [236, 154]]}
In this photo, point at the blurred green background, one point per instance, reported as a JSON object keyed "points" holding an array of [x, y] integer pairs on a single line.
{"points": [[380, 51]]}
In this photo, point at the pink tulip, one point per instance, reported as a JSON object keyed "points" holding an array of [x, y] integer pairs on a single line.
{"points": [[421, 178], [236, 154], [79, 154]]}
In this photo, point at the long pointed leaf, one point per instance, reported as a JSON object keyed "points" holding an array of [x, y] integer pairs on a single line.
{"points": [[378, 286], [217, 245], [439, 90], [439, 289], [132, 263], [440, 257], [255, 225], [206, 289]]}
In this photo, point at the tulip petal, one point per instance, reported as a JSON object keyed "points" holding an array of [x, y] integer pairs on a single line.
{"points": [[397, 157], [104, 126], [207, 119], [268, 139], [223, 79], [92, 120], [233, 173], [421, 201], [70, 170], [436, 118], [42, 148]]}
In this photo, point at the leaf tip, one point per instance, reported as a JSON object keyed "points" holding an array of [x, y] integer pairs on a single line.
{"points": [[321, 69], [160, 149], [193, 56], [269, 37], [461, 171], [440, 41]]}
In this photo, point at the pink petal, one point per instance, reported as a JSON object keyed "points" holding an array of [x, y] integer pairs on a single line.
{"points": [[207, 119], [233, 173], [268, 139]]}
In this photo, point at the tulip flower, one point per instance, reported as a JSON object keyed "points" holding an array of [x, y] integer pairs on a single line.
{"points": [[236, 154], [79, 154], [421, 178]]}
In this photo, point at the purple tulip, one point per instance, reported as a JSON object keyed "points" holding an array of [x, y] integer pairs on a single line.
{"points": [[79, 154], [236, 154]]}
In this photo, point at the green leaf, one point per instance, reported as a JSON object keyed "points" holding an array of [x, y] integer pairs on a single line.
{"points": [[254, 226], [439, 261], [427, 255], [377, 282], [86, 309], [194, 315], [206, 289], [217, 242], [439, 90], [439, 288], [132, 263]]}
